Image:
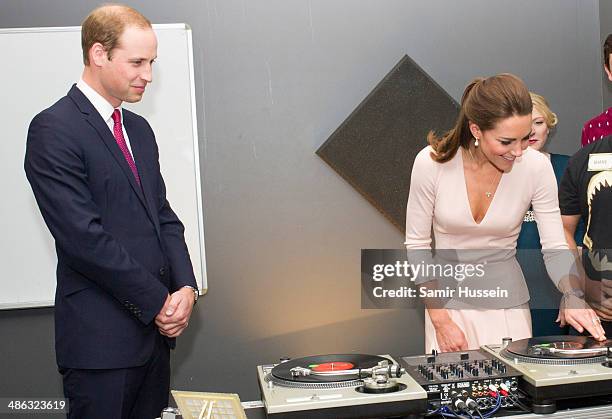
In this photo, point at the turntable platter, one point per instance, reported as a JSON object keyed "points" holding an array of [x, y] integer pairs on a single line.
{"points": [[557, 348], [330, 368]]}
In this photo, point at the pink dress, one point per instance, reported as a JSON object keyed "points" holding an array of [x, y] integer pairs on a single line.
{"points": [[438, 200]]}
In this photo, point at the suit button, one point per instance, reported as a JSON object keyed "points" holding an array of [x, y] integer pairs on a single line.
{"points": [[162, 271]]}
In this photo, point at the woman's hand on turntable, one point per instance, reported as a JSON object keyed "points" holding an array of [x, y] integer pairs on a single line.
{"points": [[577, 313], [449, 336]]}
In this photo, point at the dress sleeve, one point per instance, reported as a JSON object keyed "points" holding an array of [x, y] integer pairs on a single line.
{"points": [[558, 259], [421, 200]]}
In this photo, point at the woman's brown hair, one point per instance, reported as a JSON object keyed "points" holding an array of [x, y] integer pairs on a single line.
{"points": [[485, 102]]}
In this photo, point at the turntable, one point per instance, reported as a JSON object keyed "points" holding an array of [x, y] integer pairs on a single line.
{"points": [[556, 368], [340, 386]]}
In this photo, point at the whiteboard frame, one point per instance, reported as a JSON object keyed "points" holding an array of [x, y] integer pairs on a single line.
{"points": [[203, 287]]}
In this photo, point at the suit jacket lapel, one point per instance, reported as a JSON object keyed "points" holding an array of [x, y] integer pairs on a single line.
{"points": [[137, 149], [96, 121]]}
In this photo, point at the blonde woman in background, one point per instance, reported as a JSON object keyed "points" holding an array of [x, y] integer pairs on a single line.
{"points": [[544, 297]]}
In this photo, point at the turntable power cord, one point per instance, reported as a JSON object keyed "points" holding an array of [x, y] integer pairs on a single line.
{"points": [[514, 397]]}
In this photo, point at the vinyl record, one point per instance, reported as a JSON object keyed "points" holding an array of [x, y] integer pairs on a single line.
{"points": [[346, 366], [558, 347]]}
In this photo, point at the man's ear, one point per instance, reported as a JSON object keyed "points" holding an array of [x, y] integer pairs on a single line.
{"points": [[97, 55], [607, 69], [608, 72]]}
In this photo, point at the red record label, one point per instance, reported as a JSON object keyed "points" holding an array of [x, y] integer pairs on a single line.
{"points": [[332, 366]]}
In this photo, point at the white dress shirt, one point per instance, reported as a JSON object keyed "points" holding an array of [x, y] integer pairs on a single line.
{"points": [[105, 110]]}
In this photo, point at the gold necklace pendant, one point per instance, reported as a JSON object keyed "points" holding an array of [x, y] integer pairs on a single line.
{"points": [[490, 194], [473, 158]]}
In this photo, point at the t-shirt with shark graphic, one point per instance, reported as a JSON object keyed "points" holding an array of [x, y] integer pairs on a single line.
{"points": [[586, 189]]}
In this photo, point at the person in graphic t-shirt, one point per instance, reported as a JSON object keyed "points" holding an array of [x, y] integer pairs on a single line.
{"points": [[600, 126], [586, 191]]}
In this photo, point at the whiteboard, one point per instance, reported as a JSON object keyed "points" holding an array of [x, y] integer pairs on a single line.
{"points": [[39, 65]]}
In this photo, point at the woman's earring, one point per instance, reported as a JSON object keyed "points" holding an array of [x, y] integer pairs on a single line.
{"points": [[475, 142]]}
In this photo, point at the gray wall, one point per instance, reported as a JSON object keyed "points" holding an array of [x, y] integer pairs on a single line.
{"points": [[605, 26], [283, 231]]}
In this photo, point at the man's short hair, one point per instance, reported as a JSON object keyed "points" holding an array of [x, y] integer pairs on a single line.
{"points": [[607, 50], [105, 25]]}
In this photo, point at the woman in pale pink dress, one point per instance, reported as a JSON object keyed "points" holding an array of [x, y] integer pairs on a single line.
{"points": [[472, 187]]}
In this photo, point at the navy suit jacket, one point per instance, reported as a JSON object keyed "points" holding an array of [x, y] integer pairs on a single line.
{"points": [[120, 247]]}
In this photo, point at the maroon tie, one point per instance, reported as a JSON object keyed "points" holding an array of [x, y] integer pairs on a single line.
{"points": [[118, 131]]}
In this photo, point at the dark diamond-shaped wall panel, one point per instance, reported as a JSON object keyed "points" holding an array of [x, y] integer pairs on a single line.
{"points": [[375, 147]]}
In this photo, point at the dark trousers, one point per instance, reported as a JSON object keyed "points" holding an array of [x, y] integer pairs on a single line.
{"points": [[126, 393]]}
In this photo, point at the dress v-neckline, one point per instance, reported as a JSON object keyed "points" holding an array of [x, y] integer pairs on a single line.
{"points": [[467, 195]]}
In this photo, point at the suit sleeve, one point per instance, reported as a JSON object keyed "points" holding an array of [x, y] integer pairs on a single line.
{"points": [[56, 169], [173, 237]]}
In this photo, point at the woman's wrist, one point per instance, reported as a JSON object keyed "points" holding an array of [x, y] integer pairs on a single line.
{"points": [[439, 316]]}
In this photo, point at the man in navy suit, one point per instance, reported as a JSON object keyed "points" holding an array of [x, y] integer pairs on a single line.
{"points": [[125, 283]]}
